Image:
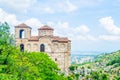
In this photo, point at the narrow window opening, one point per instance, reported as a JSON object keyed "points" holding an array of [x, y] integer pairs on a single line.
{"points": [[22, 34], [55, 59], [22, 47], [42, 48]]}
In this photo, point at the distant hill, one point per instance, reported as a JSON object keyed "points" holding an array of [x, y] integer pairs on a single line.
{"points": [[108, 64], [105, 67]]}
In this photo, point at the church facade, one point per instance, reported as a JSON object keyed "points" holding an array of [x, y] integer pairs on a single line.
{"points": [[58, 48]]}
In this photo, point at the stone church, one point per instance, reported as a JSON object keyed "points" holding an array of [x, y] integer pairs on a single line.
{"points": [[58, 48]]}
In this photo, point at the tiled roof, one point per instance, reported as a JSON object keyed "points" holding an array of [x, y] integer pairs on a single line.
{"points": [[54, 39], [22, 25], [33, 38], [45, 27], [60, 39]]}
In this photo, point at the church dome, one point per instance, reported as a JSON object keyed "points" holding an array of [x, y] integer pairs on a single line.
{"points": [[45, 27], [22, 25]]}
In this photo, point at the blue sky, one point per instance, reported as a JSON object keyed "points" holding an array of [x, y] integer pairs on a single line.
{"points": [[92, 25]]}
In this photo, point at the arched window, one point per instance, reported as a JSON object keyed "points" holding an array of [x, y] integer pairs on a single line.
{"points": [[22, 34], [42, 48], [22, 47], [55, 59]]}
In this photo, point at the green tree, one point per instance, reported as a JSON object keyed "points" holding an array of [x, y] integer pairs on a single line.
{"points": [[32, 66], [72, 68], [6, 40], [77, 76], [99, 76], [5, 37]]}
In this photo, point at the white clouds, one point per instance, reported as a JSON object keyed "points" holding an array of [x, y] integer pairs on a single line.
{"points": [[67, 6], [109, 25], [87, 37], [71, 7], [48, 10], [61, 28], [82, 29], [18, 5], [109, 37], [74, 33], [35, 24], [59, 6], [13, 21], [22, 6], [64, 6], [44, 9], [82, 32], [113, 30], [10, 18], [87, 3], [42, 6], [49, 6]]}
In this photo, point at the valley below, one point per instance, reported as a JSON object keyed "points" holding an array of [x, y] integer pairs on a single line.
{"points": [[96, 67]]}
